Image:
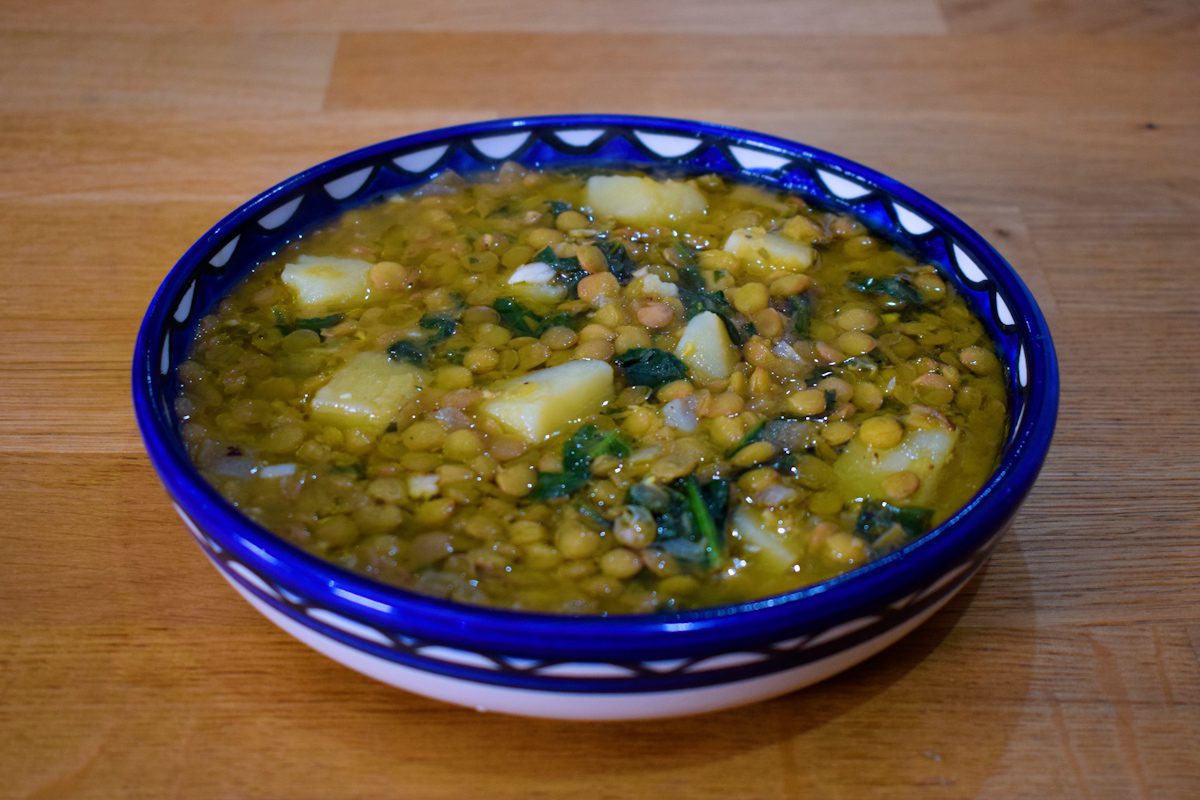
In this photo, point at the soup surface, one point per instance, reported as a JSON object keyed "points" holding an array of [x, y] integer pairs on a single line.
{"points": [[594, 393]]}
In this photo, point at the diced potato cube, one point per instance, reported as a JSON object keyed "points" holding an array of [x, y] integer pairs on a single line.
{"points": [[323, 283], [862, 468], [762, 536], [765, 253], [706, 348], [643, 201], [367, 392], [544, 402]]}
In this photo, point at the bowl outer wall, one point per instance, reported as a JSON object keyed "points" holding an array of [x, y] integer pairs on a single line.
{"points": [[635, 636]]}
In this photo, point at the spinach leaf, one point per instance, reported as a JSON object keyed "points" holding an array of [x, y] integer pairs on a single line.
{"points": [[800, 307], [419, 352], [524, 322], [591, 512], [443, 328], [354, 468], [752, 436], [696, 298], [315, 324], [892, 287], [516, 317], [878, 518], [568, 272], [620, 263], [687, 256], [649, 366], [558, 206], [408, 350], [709, 505], [587, 444], [692, 527], [830, 401], [562, 319]]}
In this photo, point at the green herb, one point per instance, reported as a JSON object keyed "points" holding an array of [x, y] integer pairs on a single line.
{"points": [[705, 506], [784, 463], [524, 322], [692, 528], [354, 468], [687, 256], [591, 512], [562, 319], [649, 366], [406, 350], [751, 437], [696, 298], [420, 351], [443, 328], [558, 206], [318, 323], [587, 444], [892, 287], [516, 317], [315, 324], [830, 400], [620, 263], [801, 309], [567, 270], [878, 520]]}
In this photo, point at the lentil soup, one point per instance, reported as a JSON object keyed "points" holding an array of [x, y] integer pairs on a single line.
{"points": [[594, 393]]}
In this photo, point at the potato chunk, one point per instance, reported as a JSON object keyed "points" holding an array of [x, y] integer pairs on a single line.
{"points": [[766, 254], [765, 536], [706, 348], [544, 402], [643, 201], [923, 452], [367, 392], [324, 283]]}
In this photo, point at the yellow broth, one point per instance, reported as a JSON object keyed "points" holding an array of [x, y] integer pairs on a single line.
{"points": [[823, 414]]}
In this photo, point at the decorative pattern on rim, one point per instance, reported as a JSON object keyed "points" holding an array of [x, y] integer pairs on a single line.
{"points": [[503, 668]]}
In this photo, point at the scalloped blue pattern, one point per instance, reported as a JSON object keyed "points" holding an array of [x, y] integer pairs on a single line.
{"points": [[705, 647]]}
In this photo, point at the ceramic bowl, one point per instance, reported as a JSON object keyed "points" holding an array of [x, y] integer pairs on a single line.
{"points": [[617, 667]]}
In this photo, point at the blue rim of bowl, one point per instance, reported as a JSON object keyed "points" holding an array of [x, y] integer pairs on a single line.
{"points": [[616, 637]]}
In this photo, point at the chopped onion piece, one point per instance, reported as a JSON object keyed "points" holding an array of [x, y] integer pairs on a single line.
{"points": [[681, 413], [276, 471]]}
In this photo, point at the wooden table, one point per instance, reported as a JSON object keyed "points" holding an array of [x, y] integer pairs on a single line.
{"points": [[1066, 132]]}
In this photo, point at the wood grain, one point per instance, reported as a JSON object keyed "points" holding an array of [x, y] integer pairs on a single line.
{"points": [[198, 71], [866, 17], [674, 74], [1066, 132]]}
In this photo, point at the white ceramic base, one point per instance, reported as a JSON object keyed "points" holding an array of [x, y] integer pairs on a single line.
{"points": [[585, 706]]}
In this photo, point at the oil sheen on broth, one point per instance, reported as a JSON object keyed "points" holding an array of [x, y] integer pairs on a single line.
{"points": [[594, 393]]}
